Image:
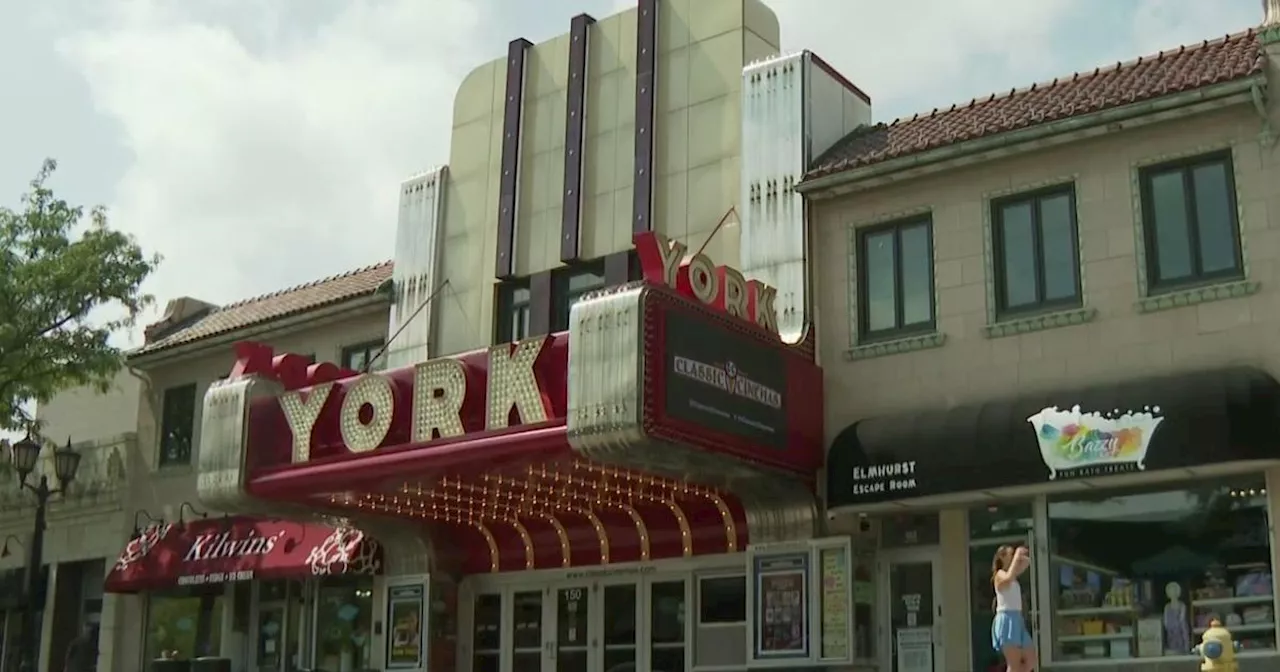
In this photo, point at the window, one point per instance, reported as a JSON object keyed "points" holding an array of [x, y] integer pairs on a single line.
{"points": [[572, 283], [344, 623], [722, 600], [1189, 219], [358, 357], [1140, 575], [184, 624], [1037, 260], [512, 323], [895, 283], [177, 426]]}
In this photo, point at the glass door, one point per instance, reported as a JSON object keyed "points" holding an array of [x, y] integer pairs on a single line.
{"points": [[619, 617], [570, 652], [280, 622], [668, 611], [527, 650], [913, 600]]}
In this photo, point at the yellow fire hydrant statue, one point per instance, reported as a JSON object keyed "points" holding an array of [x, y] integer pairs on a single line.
{"points": [[1217, 649]]}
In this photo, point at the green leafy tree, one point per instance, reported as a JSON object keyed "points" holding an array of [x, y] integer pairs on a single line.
{"points": [[67, 282]]}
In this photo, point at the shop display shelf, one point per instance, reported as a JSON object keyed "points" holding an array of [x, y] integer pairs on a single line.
{"points": [[1233, 601], [1097, 611], [1237, 629], [1104, 637]]}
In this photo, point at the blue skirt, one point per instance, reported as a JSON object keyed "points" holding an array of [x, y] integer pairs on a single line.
{"points": [[1008, 629]]}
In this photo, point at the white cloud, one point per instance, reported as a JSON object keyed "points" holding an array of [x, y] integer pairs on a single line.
{"points": [[267, 145], [260, 166]]}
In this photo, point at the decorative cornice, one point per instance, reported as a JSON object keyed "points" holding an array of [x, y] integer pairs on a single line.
{"points": [[1041, 322], [896, 346], [1195, 295]]}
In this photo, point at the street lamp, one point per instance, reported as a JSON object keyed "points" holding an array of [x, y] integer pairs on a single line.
{"points": [[24, 456]]}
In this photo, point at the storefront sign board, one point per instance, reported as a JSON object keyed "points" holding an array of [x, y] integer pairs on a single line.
{"points": [[663, 262], [1179, 421], [729, 383]]}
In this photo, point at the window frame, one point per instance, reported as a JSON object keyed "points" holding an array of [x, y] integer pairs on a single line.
{"points": [[999, 273], [1185, 167], [865, 334], [370, 348], [168, 397], [504, 323], [562, 298]]}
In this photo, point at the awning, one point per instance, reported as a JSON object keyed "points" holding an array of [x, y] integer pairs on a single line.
{"points": [[239, 549], [1177, 421]]}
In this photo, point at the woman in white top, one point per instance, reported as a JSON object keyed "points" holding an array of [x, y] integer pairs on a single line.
{"points": [[1009, 633]]}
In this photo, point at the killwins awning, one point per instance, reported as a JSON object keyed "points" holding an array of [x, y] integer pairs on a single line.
{"points": [[239, 549], [1185, 420]]}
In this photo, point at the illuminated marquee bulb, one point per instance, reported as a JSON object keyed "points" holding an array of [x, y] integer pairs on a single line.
{"points": [[512, 383], [439, 389], [300, 412], [376, 392]]}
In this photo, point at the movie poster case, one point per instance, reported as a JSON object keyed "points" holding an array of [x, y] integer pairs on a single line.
{"points": [[800, 604]]}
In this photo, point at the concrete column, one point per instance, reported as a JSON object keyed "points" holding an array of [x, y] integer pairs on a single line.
{"points": [[954, 546]]}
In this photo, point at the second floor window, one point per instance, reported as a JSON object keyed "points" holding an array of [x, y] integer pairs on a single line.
{"points": [[177, 425], [570, 284], [895, 279], [358, 357], [512, 323], [1037, 261], [1189, 220]]}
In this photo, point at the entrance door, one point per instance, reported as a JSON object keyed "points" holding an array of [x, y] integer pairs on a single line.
{"points": [[911, 586], [281, 624], [610, 626]]}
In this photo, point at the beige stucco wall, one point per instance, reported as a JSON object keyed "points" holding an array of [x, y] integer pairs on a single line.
{"points": [[703, 45], [1120, 342], [85, 414]]}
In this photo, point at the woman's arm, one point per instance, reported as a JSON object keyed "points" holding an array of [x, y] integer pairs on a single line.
{"points": [[1021, 561]]}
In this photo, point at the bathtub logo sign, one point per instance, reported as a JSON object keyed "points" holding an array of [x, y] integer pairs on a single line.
{"points": [[1075, 444]]}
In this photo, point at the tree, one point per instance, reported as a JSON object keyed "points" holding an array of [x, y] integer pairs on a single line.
{"points": [[66, 284]]}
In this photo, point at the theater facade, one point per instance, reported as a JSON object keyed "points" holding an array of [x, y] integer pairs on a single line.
{"points": [[619, 493]]}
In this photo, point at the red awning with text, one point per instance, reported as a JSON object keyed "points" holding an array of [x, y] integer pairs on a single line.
{"points": [[239, 549]]}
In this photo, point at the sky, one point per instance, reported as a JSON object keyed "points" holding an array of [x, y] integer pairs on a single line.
{"points": [[259, 144]]}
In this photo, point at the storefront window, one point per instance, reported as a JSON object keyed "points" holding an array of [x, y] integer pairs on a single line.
{"points": [[344, 621], [1140, 575], [991, 527], [184, 623]]}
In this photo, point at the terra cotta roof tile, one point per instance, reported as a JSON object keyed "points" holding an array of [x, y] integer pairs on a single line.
{"points": [[284, 303], [1186, 68]]}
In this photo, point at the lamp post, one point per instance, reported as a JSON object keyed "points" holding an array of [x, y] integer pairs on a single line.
{"points": [[25, 455]]}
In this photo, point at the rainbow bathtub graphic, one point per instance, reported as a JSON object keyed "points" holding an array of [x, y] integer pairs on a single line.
{"points": [[1071, 440]]}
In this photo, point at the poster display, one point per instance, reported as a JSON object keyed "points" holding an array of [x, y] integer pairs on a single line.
{"points": [[405, 615], [835, 589], [915, 649], [782, 606]]}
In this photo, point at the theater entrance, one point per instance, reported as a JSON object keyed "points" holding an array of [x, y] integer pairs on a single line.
{"points": [[606, 619]]}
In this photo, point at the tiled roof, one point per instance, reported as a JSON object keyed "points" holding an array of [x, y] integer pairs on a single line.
{"points": [[284, 303], [1186, 68]]}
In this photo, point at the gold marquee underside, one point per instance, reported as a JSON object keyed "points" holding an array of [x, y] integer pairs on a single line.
{"points": [[547, 493]]}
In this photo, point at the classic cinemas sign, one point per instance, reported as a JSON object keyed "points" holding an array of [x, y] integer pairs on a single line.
{"points": [[438, 399], [663, 262]]}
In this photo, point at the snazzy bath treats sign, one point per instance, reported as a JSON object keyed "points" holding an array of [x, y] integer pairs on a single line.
{"points": [[1074, 443]]}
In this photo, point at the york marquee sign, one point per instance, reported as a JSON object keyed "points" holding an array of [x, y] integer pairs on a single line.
{"points": [[437, 400], [662, 262]]}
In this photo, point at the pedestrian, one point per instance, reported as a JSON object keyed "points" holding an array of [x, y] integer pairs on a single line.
{"points": [[82, 653], [1009, 633]]}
